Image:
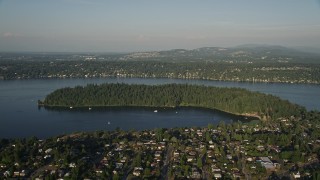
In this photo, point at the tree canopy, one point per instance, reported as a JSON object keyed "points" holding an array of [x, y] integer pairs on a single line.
{"points": [[233, 100]]}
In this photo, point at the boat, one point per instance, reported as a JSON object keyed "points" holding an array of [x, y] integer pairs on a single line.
{"points": [[155, 111], [71, 107], [89, 108], [109, 123]]}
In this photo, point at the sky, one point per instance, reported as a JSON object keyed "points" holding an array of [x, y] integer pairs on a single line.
{"points": [[146, 25]]}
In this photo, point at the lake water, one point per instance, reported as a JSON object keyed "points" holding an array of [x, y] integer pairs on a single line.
{"points": [[21, 117]]}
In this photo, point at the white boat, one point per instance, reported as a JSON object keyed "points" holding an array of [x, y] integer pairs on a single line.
{"points": [[109, 123], [89, 108], [155, 111], [71, 107]]}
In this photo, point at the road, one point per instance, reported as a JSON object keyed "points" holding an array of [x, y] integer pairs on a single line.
{"points": [[166, 163]]}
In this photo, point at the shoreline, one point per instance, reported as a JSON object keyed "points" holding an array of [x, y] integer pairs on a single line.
{"points": [[244, 115], [205, 79]]}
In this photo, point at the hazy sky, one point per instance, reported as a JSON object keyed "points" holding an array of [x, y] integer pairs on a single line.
{"points": [[141, 25]]}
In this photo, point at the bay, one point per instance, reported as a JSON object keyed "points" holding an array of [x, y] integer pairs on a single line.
{"points": [[20, 116]]}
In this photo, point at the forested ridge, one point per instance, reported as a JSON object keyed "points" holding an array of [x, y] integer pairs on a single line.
{"points": [[233, 100]]}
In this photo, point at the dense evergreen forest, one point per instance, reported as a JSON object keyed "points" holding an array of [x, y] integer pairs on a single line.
{"points": [[233, 100]]}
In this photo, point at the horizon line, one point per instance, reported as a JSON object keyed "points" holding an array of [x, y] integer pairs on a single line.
{"points": [[137, 51]]}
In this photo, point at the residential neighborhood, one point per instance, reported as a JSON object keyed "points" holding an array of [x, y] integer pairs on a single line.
{"points": [[224, 151], [202, 63]]}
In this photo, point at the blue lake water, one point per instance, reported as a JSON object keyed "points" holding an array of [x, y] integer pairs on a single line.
{"points": [[20, 116]]}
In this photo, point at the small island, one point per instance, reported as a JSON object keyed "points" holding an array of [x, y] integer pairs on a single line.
{"points": [[232, 100]]}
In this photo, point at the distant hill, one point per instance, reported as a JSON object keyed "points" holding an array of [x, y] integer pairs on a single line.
{"points": [[275, 50], [306, 49], [248, 52]]}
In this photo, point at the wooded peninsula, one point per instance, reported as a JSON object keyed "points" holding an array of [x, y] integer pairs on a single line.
{"points": [[233, 100]]}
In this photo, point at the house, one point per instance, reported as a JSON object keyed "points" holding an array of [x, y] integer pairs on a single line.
{"points": [[276, 164], [47, 156], [158, 159], [260, 148], [192, 153], [119, 165], [195, 174], [61, 173], [190, 159], [275, 148], [138, 168], [154, 164], [266, 163], [99, 170], [158, 154], [202, 146], [104, 161], [24, 173], [107, 145], [296, 175], [249, 159], [236, 175], [6, 173], [123, 160], [215, 169], [137, 171], [72, 165], [67, 174], [210, 154], [48, 151], [217, 175], [176, 153], [162, 144], [16, 173], [229, 156]]}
